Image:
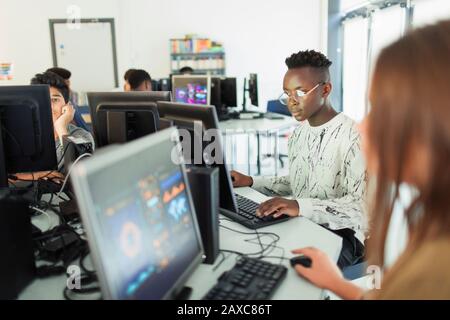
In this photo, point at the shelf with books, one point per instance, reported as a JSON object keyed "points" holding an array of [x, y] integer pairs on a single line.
{"points": [[202, 55], [207, 63]]}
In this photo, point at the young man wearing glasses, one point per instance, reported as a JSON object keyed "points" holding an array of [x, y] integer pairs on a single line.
{"points": [[326, 170]]}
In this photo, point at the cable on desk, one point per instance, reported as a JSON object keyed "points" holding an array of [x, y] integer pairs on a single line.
{"points": [[46, 175], [50, 224], [70, 170], [264, 250], [85, 280]]}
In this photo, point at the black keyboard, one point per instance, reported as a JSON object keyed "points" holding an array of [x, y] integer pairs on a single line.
{"points": [[247, 207], [249, 279], [246, 214]]}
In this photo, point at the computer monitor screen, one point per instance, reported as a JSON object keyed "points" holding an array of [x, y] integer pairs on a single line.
{"points": [[216, 93], [96, 98], [253, 88], [191, 89], [27, 142], [184, 116], [228, 92], [124, 122], [140, 221]]}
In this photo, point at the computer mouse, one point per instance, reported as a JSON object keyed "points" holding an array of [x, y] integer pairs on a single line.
{"points": [[302, 260]]}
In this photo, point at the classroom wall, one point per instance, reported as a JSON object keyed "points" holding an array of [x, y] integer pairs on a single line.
{"points": [[257, 35], [25, 31]]}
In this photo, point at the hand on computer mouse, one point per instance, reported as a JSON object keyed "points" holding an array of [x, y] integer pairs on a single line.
{"points": [[301, 260], [322, 272]]}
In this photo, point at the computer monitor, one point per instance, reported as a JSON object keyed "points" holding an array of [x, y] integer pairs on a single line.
{"points": [[96, 98], [216, 93], [253, 89], [140, 221], [165, 84], [27, 141], [123, 122], [192, 89], [228, 92], [184, 116]]}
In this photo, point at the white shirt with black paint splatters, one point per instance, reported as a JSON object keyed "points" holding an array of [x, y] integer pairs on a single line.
{"points": [[326, 175]]}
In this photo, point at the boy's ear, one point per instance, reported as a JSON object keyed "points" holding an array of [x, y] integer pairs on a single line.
{"points": [[327, 89]]}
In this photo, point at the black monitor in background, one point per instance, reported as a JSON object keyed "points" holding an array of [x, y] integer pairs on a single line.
{"points": [[253, 89], [184, 116], [223, 92], [228, 92], [250, 86], [215, 94], [97, 98], [27, 142], [155, 85], [163, 84], [223, 96], [122, 122], [139, 218]]}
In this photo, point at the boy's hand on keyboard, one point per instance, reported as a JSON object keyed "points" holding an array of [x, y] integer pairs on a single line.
{"points": [[277, 207], [241, 180]]}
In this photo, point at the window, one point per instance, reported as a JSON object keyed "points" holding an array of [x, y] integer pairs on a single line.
{"points": [[355, 73], [430, 11], [387, 26], [368, 27], [352, 4]]}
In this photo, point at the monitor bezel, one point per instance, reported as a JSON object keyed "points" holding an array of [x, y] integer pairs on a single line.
{"points": [[178, 111], [95, 98]]}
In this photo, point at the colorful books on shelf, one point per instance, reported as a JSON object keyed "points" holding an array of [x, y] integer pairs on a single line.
{"points": [[194, 45]]}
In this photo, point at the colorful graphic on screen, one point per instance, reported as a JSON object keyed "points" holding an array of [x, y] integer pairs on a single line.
{"points": [[192, 93], [146, 223]]}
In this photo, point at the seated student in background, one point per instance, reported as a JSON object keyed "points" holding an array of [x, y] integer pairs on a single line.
{"points": [[126, 86], [62, 111], [77, 118], [140, 80], [406, 139], [326, 168]]}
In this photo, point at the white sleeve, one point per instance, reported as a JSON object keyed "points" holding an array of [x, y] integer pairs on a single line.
{"points": [[273, 186]]}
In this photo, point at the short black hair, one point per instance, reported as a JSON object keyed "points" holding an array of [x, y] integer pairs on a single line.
{"points": [[137, 77], [63, 73], [126, 76], [313, 59], [53, 80], [186, 69], [308, 58]]}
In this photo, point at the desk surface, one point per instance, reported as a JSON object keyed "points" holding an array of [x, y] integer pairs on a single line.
{"points": [[295, 233], [257, 125]]}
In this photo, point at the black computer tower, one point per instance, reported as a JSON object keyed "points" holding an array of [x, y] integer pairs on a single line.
{"points": [[17, 269], [204, 185]]}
